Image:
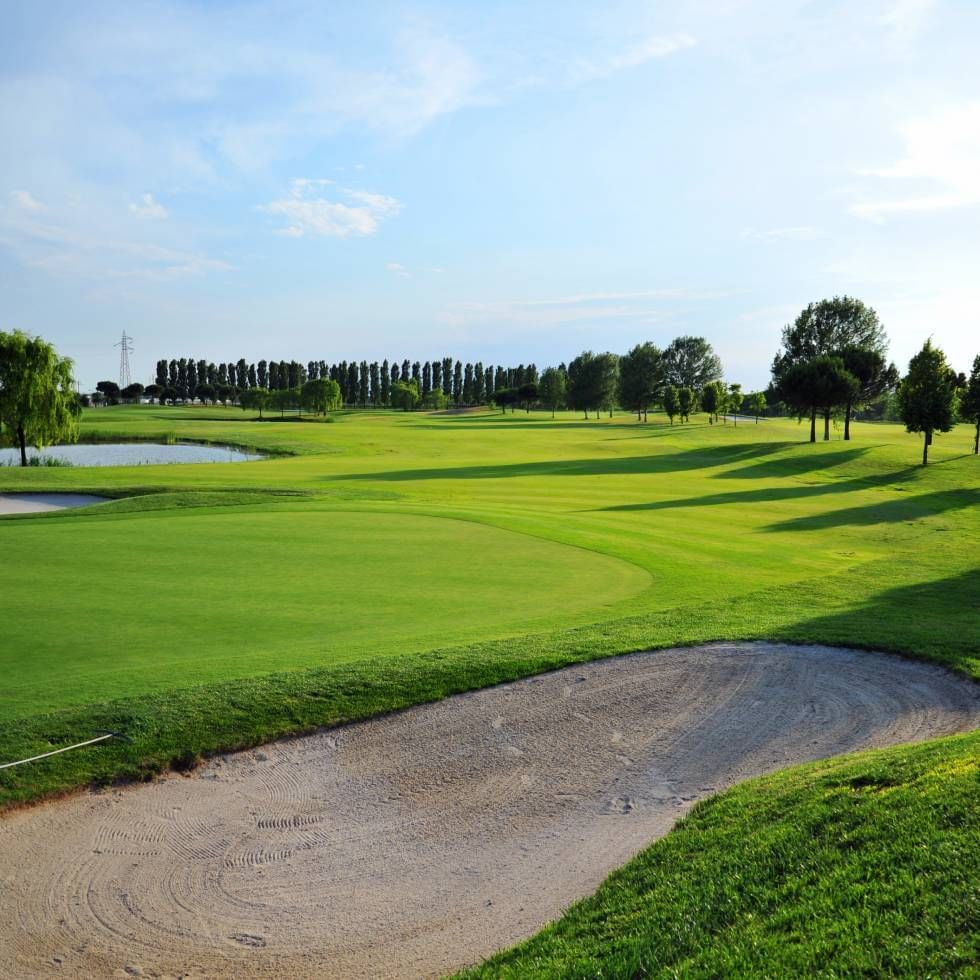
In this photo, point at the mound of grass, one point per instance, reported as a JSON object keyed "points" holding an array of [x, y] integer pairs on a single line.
{"points": [[859, 866]]}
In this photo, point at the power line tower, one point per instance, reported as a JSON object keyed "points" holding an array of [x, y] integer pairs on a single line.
{"points": [[125, 349]]}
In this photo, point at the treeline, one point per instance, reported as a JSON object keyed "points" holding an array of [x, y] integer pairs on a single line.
{"points": [[590, 382], [361, 384]]}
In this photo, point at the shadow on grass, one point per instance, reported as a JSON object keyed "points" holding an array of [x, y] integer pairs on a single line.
{"points": [[798, 465], [910, 508], [947, 610], [692, 459]]}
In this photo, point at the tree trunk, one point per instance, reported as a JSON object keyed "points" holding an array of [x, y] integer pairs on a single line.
{"points": [[925, 447], [976, 440], [813, 425], [847, 423], [22, 442], [826, 425]]}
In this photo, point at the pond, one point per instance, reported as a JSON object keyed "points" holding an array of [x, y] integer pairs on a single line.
{"points": [[132, 454]]}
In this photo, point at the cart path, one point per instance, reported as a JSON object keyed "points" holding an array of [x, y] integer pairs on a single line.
{"points": [[420, 842]]}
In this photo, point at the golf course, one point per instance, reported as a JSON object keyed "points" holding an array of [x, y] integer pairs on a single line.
{"points": [[376, 560]]}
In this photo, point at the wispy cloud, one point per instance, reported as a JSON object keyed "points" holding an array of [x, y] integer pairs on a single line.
{"points": [[582, 310], [63, 245], [940, 169], [307, 214], [904, 21], [649, 49], [397, 269], [148, 208], [26, 201]]}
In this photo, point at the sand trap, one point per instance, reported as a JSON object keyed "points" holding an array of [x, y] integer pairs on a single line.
{"points": [[420, 842], [36, 503]]}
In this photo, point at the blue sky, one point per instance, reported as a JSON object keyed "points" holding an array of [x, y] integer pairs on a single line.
{"points": [[497, 181]]}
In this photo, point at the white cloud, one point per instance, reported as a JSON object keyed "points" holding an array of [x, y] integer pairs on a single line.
{"points": [[904, 21], [651, 48], [311, 215], [941, 166], [148, 208], [26, 201], [791, 233], [63, 245], [397, 269], [585, 310]]}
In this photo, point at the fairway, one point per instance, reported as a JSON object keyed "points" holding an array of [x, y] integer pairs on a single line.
{"points": [[209, 595]]}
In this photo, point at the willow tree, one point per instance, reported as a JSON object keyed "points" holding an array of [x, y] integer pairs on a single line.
{"points": [[38, 406]]}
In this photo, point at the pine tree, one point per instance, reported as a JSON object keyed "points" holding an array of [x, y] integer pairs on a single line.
{"points": [[926, 396]]}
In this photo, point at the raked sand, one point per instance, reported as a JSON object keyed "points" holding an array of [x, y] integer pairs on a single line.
{"points": [[423, 841]]}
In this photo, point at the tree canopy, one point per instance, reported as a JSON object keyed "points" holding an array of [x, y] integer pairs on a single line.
{"points": [[641, 378], [38, 405], [970, 403], [690, 362], [926, 395]]}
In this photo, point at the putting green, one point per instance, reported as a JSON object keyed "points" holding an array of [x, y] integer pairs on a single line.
{"points": [[111, 608]]}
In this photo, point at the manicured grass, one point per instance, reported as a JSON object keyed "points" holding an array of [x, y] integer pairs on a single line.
{"points": [[861, 866], [518, 540], [394, 559]]}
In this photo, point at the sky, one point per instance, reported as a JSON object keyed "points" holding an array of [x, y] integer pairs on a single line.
{"points": [[496, 181]]}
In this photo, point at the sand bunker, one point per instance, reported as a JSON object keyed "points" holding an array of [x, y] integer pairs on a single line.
{"points": [[423, 841], [36, 503]]}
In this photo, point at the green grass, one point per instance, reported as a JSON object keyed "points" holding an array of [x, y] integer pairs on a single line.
{"points": [[391, 559]]}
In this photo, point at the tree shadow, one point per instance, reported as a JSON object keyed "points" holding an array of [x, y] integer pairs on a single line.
{"points": [[910, 508], [936, 619], [691, 459], [798, 465], [770, 494]]}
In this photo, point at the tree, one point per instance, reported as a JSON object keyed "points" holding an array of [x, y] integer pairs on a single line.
{"points": [[385, 386], [830, 327], [970, 403], [691, 362], [553, 389], [37, 398], [641, 378], [592, 381], [132, 392], [735, 399], [435, 398], [206, 393], [672, 402], [153, 391], [262, 373], [320, 396], [756, 404], [874, 378], [504, 397], [110, 391], [820, 384], [256, 398], [457, 383], [168, 394], [926, 395], [709, 400], [405, 395], [528, 395], [685, 402]]}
